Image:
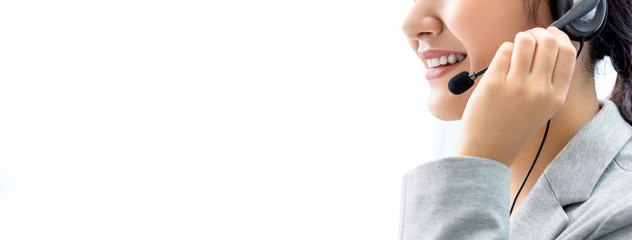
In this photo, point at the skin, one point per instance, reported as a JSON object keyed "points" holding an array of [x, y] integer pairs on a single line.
{"points": [[533, 77]]}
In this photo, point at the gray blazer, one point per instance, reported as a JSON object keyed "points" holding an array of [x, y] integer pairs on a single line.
{"points": [[585, 193]]}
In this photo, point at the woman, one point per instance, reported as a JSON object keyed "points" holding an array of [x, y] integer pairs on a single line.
{"points": [[580, 187]]}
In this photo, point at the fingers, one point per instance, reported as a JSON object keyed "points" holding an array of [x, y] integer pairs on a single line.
{"points": [[564, 64], [524, 47], [545, 52], [501, 62]]}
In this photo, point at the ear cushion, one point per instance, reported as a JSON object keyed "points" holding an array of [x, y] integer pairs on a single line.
{"points": [[576, 29]]}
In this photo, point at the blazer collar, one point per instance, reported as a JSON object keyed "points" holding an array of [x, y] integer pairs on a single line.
{"points": [[586, 156], [572, 175]]}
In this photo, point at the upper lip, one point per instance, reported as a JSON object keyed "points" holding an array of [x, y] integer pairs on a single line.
{"points": [[430, 54]]}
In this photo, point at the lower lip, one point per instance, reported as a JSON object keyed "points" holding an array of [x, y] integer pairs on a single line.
{"points": [[437, 72]]}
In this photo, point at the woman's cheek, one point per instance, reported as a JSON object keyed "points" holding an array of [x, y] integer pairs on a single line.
{"points": [[468, 27], [462, 19], [481, 30]]}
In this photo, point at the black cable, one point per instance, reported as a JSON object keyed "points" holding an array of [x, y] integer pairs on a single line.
{"points": [[532, 164], [581, 45]]}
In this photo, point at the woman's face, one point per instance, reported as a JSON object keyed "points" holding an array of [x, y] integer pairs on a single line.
{"points": [[471, 28]]}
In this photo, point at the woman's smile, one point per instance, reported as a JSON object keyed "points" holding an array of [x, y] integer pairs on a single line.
{"points": [[440, 62], [437, 29], [436, 72]]}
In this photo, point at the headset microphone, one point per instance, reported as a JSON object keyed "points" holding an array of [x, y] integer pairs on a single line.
{"points": [[464, 80]]}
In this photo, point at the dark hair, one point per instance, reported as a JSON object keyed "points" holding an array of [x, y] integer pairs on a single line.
{"points": [[615, 42]]}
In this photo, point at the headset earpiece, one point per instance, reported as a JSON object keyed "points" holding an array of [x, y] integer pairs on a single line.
{"points": [[586, 27]]}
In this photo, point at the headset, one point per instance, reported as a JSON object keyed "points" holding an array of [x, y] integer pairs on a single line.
{"points": [[586, 27]]}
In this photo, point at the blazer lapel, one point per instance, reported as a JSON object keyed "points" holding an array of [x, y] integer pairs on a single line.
{"points": [[540, 216], [572, 175]]}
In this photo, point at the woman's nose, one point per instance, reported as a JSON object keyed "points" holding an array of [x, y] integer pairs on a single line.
{"points": [[420, 23]]}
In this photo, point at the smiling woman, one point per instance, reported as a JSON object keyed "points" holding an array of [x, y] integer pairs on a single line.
{"points": [[533, 78], [460, 29]]}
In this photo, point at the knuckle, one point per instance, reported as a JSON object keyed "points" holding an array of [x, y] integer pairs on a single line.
{"points": [[540, 30], [523, 38], [558, 33], [536, 93], [558, 100], [506, 48], [545, 38], [567, 50], [536, 30], [548, 41]]}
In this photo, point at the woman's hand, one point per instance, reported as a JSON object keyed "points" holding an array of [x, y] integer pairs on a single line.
{"points": [[526, 84]]}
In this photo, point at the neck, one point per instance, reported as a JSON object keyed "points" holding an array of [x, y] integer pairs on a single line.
{"points": [[580, 107]]}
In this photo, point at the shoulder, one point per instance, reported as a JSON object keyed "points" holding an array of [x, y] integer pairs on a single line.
{"points": [[615, 217], [614, 188], [609, 209]]}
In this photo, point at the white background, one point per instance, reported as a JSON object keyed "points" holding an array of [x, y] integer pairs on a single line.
{"points": [[209, 120]]}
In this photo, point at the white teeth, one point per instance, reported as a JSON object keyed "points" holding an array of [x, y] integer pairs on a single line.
{"points": [[435, 62], [445, 60], [452, 59]]}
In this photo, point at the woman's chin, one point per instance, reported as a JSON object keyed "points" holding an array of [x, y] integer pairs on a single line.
{"points": [[446, 107]]}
